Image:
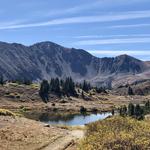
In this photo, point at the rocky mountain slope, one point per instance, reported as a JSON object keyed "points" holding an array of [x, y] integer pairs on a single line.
{"points": [[46, 60]]}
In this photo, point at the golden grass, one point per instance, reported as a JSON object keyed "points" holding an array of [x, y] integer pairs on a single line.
{"points": [[5, 112], [35, 86], [14, 84], [71, 128], [117, 133]]}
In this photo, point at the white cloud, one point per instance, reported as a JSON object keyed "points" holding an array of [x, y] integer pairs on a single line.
{"points": [[110, 36], [113, 41], [130, 26], [83, 19], [74, 9], [94, 4]]}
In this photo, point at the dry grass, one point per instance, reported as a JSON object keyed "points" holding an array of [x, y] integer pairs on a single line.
{"points": [[18, 133], [13, 96], [5, 112], [117, 133], [71, 128]]}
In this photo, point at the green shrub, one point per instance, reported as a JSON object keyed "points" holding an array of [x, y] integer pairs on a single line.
{"points": [[83, 109]]}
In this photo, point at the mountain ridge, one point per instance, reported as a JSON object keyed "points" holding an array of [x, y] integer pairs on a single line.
{"points": [[45, 60]]}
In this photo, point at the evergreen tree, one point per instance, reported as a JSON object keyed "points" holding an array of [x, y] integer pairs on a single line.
{"points": [[113, 112], [55, 86], [69, 87], [86, 86], [83, 96], [123, 111], [1, 80], [52, 84], [130, 91], [131, 109], [44, 90], [147, 105], [61, 82], [139, 113]]}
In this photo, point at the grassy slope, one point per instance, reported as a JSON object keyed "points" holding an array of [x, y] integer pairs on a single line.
{"points": [[117, 133], [14, 96]]}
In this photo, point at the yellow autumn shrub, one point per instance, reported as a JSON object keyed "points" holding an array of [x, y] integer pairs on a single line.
{"points": [[5, 112], [117, 133]]}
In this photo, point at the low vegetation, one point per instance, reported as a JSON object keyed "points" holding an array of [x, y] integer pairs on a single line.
{"points": [[117, 133], [5, 112], [135, 111]]}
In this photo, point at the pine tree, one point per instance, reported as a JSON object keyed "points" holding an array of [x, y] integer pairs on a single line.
{"points": [[86, 86], [130, 91], [131, 109], [69, 87], [113, 112], [123, 111], [147, 105], [44, 90], [1, 80], [57, 86], [83, 96], [139, 113]]}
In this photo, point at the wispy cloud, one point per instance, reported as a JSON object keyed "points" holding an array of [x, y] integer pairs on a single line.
{"points": [[101, 4], [113, 41], [12, 23], [130, 26], [94, 4], [75, 9], [110, 36], [83, 19]]}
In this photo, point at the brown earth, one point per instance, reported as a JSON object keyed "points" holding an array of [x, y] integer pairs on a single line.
{"points": [[17, 133], [21, 97]]}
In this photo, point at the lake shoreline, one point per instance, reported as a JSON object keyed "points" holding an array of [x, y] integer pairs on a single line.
{"points": [[66, 118]]}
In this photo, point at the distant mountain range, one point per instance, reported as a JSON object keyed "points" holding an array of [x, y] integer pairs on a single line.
{"points": [[46, 60]]}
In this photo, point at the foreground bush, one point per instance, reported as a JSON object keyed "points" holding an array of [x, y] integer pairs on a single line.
{"points": [[117, 133]]}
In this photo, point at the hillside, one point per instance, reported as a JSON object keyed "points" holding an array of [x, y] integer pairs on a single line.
{"points": [[46, 60], [19, 97]]}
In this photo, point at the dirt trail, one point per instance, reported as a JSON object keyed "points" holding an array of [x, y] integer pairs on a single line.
{"points": [[66, 142]]}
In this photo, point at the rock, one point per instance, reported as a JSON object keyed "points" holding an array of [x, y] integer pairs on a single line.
{"points": [[47, 125]]}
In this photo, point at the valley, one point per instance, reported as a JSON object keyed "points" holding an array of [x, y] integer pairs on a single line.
{"points": [[18, 97], [52, 96], [30, 125], [75, 75]]}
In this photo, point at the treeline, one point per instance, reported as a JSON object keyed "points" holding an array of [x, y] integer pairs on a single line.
{"points": [[65, 87], [135, 111], [61, 87]]}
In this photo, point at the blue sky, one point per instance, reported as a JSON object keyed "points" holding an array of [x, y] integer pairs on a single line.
{"points": [[102, 27]]}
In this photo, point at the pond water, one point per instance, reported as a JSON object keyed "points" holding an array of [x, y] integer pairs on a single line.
{"points": [[67, 119]]}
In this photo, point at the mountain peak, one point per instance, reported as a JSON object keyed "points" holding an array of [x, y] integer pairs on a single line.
{"points": [[46, 44], [45, 60], [125, 57]]}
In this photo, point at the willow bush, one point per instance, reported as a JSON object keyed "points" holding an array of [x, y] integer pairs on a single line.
{"points": [[117, 133]]}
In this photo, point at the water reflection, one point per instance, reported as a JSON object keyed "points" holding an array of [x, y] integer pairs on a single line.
{"points": [[67, 119]]}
